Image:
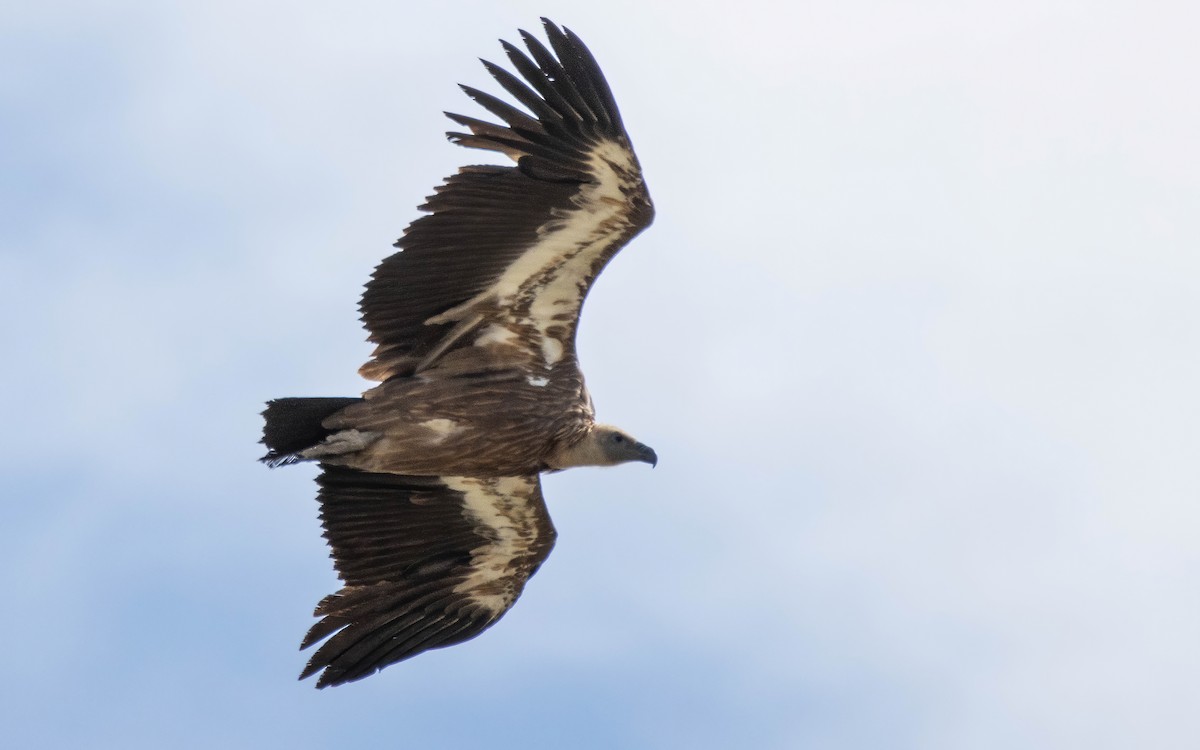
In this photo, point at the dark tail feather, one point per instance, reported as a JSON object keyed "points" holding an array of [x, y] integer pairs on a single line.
{"points": [[294, 424]]}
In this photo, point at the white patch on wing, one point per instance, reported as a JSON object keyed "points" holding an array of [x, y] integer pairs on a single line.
{"points": [[496, 334], [538, 382], [552, 350], [502, 506], [611, 152], [441, 428]]}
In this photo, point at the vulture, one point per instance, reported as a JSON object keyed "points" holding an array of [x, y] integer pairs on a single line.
{"points": [[429, 484]]}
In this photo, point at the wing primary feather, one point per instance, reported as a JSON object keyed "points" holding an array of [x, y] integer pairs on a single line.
{"points": [[325, 627], [554, 69], [346, 644], [354, 645], [527, 96], [522, 147], [448, 635], [371, 656], [516, 119], [585, 74], [540, 81], [484, 128]]}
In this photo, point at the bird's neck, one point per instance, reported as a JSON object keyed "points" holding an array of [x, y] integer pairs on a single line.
{"points": [[585, 451]]}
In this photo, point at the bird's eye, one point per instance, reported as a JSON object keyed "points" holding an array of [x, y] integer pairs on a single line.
{"points": [[618, 438]]}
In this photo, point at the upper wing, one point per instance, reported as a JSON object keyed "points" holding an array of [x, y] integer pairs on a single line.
{"points": [[507, 254], [427, 562]]}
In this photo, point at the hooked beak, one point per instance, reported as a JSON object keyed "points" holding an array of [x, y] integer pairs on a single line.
{"points": [[646, 454]]}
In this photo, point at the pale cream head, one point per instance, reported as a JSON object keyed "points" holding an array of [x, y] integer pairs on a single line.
{"points": [[604, 445]]}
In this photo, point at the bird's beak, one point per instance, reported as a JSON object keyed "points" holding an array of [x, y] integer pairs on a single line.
{"points": [[646, 454]]}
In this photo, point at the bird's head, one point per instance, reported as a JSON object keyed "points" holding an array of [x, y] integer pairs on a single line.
{"points": [[618, 447], [605, 445]]}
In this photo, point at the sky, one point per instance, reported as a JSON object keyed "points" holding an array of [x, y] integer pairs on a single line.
{"points": [[914, 336]]}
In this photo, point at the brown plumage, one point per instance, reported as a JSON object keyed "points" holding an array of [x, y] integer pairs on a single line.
{"points": [[429, 490]]}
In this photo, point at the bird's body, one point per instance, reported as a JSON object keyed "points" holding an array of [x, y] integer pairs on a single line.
{"points": [[430, 488], [497, 423]]}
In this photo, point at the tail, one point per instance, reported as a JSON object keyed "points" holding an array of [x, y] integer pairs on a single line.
{"points": [[294, 424]]}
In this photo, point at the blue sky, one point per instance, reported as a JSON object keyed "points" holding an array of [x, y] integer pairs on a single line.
{"points": [[914, 335]]}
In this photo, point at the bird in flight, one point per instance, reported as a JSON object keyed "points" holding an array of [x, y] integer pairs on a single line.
{"points": [[430, 485]]}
